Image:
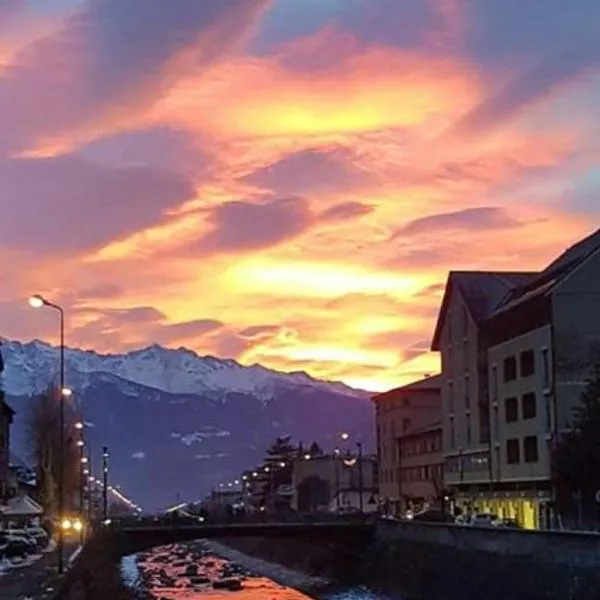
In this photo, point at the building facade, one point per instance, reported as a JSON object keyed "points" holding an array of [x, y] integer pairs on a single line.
{"points": [[331, 482], [421, 468], [537, 339], [469, 300], [6, 419], [397, 412]]}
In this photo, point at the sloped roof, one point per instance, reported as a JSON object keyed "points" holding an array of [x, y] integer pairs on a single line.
{"points": [[22, 506], [428, 383], [482, 292], [547, 280]]}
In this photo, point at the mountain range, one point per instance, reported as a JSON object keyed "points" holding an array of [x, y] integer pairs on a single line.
{"points": [[176, 423]]}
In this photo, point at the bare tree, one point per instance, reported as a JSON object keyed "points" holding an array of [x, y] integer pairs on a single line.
{"points": [[43, 437]]}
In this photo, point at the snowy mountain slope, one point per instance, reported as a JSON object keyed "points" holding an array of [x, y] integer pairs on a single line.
{"points": [[30, 367]]}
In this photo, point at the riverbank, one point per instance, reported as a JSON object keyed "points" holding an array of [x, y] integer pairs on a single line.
{"points": [[303, 582]]}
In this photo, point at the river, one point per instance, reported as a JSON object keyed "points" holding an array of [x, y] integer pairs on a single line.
{"points": [[193, 571]]}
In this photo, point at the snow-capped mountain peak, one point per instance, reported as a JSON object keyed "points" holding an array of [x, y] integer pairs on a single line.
{"points": [[31, 366]]}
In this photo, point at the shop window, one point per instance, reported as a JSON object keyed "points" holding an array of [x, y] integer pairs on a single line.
{"points": [[529, 406], [530, 448], [510, 368], [527, 360], [513, 455], [511, 410]]}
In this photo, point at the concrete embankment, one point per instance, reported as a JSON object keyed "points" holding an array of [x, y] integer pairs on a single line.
{"points": [[430, 561]]}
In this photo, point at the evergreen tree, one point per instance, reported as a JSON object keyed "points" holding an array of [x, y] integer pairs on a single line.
{"points": [[576, 460], [315, 449]]}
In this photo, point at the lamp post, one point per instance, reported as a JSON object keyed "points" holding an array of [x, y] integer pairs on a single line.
{"points": [[105, 482], [38, 301], [360, 477], [336, 458]]}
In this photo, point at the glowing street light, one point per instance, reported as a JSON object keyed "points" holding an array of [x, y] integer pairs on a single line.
{"points": [[79, 425], [37, 301], [345, 436]]}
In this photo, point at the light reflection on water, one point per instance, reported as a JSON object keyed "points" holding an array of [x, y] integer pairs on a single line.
{"points": [[187, 572]]}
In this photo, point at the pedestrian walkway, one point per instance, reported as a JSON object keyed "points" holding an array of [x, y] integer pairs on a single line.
{"points": [[36, 581]]}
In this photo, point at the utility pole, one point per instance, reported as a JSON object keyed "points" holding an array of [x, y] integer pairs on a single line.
{"points": [[90, 487], [360, 477], [105, 482]]}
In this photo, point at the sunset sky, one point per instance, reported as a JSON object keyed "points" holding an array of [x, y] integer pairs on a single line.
{"points": [[287, 182]]}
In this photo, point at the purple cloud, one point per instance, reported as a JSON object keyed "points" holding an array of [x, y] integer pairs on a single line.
{"points": [[114, 54], [346, 210], [482, 218], [245, 225], [312, 171], [64, 204], [259, 331], [160, 147]]}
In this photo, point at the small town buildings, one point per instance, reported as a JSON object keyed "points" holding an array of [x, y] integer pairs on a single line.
{"points": [[516, 351], [397, 412], [421, 460], [334, 482]]}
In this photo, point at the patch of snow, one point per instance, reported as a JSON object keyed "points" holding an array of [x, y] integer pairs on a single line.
{"points": [[30, 367]]}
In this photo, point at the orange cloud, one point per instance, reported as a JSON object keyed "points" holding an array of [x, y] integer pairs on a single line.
{"points": [[327, 206]]}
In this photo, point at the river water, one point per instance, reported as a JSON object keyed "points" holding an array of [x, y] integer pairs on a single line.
{"points": [[193, 571]]}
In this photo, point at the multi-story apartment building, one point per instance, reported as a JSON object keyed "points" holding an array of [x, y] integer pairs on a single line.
{"points": [[536, 344], [421, 467], [398, 411], [469, 299]]}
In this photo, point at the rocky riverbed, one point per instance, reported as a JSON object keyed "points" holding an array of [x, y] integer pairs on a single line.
{"points": [[191, 570]]}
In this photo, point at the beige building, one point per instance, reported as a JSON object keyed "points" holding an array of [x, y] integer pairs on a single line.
{"points": [[397, 412], [421, 467], [469, 300], [536, 339]]}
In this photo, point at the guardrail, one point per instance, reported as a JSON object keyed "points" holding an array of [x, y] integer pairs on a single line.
{"points": [[207, 521]]}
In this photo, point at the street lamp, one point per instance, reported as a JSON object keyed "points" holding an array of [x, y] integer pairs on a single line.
{"points": [[37, 301]]}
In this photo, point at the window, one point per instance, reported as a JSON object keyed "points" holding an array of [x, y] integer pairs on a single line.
{"points": [[545, 369], [405, 424], [529, 406], [512, 452], [406, 402], [452, 433], [530, 449], [494, 383], [469, 432], [527, 360], [466, 355], [511, 410], [451, 397], [510, 368], [465, 321], [467, 393]]}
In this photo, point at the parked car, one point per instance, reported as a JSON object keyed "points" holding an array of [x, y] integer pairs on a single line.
{"points": [[507, 524], [14, 545], [483, 520]]}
